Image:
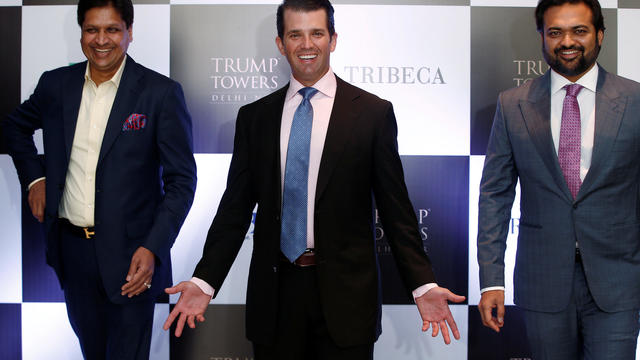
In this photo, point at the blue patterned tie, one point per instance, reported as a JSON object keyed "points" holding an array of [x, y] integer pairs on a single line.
{"points": [[293, 235]]}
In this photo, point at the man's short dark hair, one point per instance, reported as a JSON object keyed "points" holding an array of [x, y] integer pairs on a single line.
{"points": [[594, 5], [305, 6], [123, 7]]}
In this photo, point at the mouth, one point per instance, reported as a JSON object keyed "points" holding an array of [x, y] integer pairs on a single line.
{"points": [[102, 52], [568, 54], [307, 57]]}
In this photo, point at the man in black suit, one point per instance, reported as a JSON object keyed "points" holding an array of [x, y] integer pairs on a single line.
{"points": [[116, 183], [313, 289]]}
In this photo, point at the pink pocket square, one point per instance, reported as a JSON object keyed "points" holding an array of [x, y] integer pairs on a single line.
{"points": [[135, 122]]}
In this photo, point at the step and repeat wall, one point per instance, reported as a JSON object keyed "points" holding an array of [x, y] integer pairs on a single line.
{"points": [[441, 62]]}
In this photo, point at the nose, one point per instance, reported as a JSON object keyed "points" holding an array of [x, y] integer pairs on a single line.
{"points": [[567, 39], [101, 37], [307, 43]]}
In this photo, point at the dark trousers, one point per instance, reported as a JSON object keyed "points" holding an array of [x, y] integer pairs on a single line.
{"points": [[105, 330], [582, 331], [302, 331]]}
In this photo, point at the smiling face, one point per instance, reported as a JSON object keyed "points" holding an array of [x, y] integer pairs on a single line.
{"points": [[570, 42], [105, 39], [306, 44]]}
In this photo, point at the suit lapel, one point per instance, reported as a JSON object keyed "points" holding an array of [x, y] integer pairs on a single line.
{"points": [[273, 114], [535, 111], [610, 107], [71, 104], [340, 125], [128, 92]]}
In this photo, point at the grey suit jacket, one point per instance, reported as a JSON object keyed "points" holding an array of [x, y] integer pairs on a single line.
{"points": [[604, 218]]}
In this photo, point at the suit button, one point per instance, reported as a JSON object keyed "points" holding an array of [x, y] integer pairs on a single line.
{"points": [[61, 186], [275, 269], [277, 217], [98, 190], [575, 206]]}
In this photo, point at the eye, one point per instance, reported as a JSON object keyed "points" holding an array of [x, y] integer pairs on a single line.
{"points": [[90, 30], [554, 33], [113, 30], [318, 34]]}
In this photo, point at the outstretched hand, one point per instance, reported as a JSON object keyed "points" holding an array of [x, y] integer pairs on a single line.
{"points": [[191, 306], [435, 313]]}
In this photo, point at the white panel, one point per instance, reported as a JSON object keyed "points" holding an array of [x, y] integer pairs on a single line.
{"points": [[402, 337], [11, 238], [11, 3], [50, 39], [628, 49], [186, 252], [425, 42], [475, 173], [150, 46], [159, 338], [47, 334]]}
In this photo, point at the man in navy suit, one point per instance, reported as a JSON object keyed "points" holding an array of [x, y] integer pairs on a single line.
{"points": [[320, 300], [572, 139], [115, 185]]}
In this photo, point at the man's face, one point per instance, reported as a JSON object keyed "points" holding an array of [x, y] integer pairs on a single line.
{"points": [[306, 44], [570, 42], [105, 39]]}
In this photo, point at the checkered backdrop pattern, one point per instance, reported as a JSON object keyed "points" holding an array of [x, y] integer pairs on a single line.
{"points": [[441, 63]]}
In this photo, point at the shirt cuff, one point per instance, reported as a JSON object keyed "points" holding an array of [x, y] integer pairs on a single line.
{"points": [[492, 288], [34, 181], [423, 290], [206, 288]]}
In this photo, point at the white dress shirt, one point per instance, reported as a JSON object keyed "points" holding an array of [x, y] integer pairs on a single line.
{"points": [[587, 103], [78, 198]]}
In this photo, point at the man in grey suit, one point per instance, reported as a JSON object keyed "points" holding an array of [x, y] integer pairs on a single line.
{"points": [[575, 150]]}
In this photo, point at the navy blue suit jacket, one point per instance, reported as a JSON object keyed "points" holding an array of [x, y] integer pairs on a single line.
{"points": [[145, 178]]}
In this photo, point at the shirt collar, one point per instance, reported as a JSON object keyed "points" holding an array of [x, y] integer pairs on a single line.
{"points": [[326, 85], [589, 80], [115, 79]]}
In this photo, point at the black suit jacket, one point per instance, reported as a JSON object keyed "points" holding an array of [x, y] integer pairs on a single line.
{"points": [[360, 159], [145, 177]]}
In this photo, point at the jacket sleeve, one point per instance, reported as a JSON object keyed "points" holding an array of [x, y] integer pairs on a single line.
{"points": [[497, 192]]}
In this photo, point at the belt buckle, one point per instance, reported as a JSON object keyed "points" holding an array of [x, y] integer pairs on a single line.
{"points": [[88, 234]]}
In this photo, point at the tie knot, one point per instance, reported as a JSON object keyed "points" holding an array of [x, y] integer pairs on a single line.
{"points": [[307, 92], [573, 89]]}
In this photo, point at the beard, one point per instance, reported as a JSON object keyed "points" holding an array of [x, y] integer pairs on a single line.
{"points": [[578, 66]]}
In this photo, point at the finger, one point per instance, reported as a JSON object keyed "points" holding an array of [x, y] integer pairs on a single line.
{"points": [[180, 325], [425, 326], [434, 326], [175, 289], [445, 332], [455, 298], [170, 318], [132, 268], [454, 327], [500, 314], [200, 318], [190, 321], [487, 319]]}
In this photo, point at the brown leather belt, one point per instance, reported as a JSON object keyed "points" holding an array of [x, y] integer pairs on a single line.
{"points": [[81, 232], [308, 258]]}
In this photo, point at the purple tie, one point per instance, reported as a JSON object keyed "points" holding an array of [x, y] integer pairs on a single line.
{"points": [[569, 148]]}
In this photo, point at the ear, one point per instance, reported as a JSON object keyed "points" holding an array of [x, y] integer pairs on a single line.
{"points": [[280, 45], [600, 37], [334, 40], [130, 31]]}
